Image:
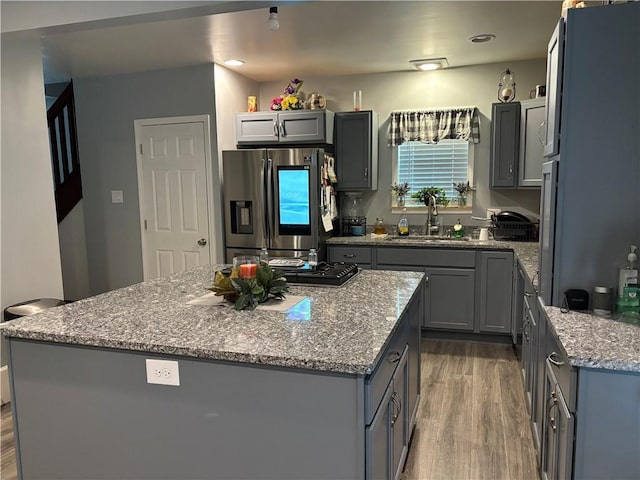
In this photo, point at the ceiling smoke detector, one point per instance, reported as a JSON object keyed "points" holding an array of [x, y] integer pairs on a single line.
{"points": [[426, 64]]}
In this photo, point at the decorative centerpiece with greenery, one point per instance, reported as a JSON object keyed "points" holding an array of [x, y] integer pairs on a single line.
{"points": [[424, 193], [400, 190], [463, 190], [289, 100], [247, 293]]}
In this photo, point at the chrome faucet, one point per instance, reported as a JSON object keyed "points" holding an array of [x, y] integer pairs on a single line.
{"points": [[431, 225]]}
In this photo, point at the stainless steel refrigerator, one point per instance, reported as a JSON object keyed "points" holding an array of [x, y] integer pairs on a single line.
{"points": [[272, 199]]}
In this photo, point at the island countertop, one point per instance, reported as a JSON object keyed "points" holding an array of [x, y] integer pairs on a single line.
{"points": [[337, 329]]}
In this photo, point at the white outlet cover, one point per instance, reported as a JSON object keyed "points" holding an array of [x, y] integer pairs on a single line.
{"points": [[163, 372], [117, 196]]}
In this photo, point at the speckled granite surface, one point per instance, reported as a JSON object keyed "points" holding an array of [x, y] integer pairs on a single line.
{"points": [[588, 340], [597, 342], [527, 252], [337, 329]]}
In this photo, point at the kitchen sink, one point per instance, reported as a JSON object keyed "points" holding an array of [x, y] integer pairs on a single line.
{"points": [[427, 238]]}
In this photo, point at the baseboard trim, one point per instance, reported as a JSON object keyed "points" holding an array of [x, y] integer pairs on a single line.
{"points": [[5, 392]]}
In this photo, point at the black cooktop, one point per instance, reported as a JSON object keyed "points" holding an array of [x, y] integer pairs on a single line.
{"points": [[333, 274]]}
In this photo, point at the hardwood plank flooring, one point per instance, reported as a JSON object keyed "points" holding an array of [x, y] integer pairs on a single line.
{"points": [[472, 420], [7, 445]]}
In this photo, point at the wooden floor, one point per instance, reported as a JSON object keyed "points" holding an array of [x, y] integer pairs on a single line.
{"points": [[472, 420], [7, 447]]}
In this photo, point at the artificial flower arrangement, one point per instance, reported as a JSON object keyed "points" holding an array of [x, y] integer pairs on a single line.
{"points": [[289, 99], [462, 188], [400, 189], [248, 292]]}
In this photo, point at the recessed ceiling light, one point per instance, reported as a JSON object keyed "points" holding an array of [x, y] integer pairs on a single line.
{"points": [[482, 38], [429, 63], [233, 63]]}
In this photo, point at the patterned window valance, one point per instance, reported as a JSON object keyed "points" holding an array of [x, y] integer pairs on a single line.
{"points": [[431, 126]]}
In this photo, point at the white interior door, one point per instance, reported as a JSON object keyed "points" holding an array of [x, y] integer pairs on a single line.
{"points": [[172, 175]]}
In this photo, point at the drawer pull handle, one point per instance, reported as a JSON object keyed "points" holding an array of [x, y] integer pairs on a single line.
{"points": [[394, 357], [528, 294], [349, 255], [552, 359]]}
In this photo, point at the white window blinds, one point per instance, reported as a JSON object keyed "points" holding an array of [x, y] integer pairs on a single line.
{"points": [[433, 165]]}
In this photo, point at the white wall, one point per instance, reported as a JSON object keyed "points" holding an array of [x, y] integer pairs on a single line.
{"points": [[29, 246], [73, 254], [463, 86]]}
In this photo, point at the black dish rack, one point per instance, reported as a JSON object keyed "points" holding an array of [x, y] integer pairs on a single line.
{"points": [[519, 231]]}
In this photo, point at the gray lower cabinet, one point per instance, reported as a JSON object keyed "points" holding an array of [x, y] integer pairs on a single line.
{"points": [[529, 349], [357, 254], [557, 444], [285, 420], [495, 285], [387, 436], [517, 302], [450, 299]]}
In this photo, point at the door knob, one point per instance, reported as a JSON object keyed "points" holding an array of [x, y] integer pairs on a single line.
{"points": [[202, 242]]}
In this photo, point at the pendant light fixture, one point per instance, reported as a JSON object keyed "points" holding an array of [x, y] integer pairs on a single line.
{"points": [[273, 23], [507, 86]]}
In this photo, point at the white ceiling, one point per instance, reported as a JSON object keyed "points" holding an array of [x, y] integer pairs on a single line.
{"points": [[314, 39]]}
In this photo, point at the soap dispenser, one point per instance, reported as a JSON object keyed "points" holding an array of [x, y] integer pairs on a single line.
{"points": [[458, 230], [629, 275]]}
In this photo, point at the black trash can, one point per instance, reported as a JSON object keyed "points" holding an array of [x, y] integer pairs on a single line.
{"points": [[31, 307]]}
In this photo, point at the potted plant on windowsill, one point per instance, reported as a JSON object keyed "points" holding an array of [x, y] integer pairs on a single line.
{"points": [[424, 193]]}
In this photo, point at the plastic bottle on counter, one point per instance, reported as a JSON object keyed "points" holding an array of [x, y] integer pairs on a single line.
{"points": [[403, 224], [312, 258], [264, 256]]}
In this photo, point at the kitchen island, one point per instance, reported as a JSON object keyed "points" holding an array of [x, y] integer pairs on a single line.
{"points": [[326, 389]]}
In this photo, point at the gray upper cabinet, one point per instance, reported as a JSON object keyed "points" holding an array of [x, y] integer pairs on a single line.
{"points": [[495, 284], [531, 143], [505, 133], [356, 150], [555, 60], [288, 127]]}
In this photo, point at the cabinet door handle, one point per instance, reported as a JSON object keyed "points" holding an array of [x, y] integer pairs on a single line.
{"points": [[525, 328], [349, 255], [528, 294], [553, 401], [396, 403], [426, 280], [540, 139], [275, 129], [282, 132], [394, 357], [366, 172], [552, 359]]}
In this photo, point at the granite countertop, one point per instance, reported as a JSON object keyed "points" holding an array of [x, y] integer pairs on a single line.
{"points": [[596, 342], [589, 340], [527, 252], [340, 330]]}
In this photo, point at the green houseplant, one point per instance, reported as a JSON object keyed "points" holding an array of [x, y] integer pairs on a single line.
{"points": [[424, 193]]}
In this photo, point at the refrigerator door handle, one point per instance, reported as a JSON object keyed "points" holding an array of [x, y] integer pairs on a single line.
{"points": [[269, 220]]}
